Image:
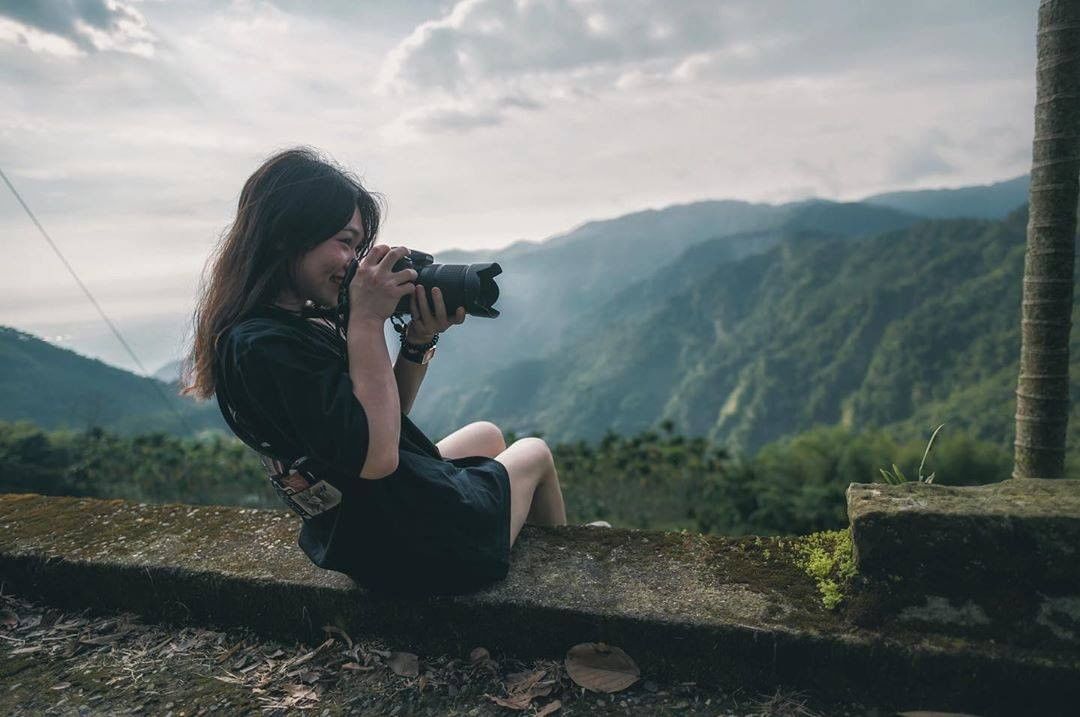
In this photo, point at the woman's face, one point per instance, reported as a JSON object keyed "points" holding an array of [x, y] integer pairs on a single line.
{"points": [[320, 270]]}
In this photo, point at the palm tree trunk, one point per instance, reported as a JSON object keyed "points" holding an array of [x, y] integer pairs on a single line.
{"points": [[1042, 393]]}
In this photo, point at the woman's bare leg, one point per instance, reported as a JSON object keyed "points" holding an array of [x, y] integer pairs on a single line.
{"points": [[535, 495], [482, 438]]}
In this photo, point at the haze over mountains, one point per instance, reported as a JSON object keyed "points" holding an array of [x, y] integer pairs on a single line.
{"points": [[993, 201], [904, 329], [742, 322]]}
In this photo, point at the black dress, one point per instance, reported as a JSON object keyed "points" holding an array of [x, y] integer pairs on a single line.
{"points": [[432, 526]]}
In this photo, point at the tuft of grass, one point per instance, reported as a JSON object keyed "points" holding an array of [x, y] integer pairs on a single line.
{"points": [[784, 702], [829, 558], [897, 476]]}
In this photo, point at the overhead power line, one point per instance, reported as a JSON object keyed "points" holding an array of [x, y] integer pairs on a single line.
{"points": [[104, 316]]}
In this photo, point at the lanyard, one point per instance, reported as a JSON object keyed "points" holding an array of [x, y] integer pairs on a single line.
{"points": [[303, 492]]}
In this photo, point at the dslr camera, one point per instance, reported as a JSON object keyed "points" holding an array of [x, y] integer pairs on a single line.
{"points": [[470, 285]]}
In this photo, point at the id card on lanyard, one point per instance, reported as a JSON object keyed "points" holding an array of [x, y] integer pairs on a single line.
{"points": [[305, 494]]}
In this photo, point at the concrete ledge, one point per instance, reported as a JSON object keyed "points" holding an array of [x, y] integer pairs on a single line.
{"points": [[999, 561], [726, 612]]}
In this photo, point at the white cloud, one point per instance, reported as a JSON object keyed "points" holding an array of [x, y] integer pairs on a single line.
{"points": [[493, 122], [70, 28], [459, 50], [481, 41], [457, 116], [15, 33], [449, 68]]}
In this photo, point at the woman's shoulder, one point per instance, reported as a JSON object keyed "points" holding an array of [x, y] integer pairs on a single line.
{"points": [[255, 332], [263, 335]]}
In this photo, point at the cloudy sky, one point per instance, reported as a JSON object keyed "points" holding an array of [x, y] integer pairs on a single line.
{"points": [[129, 127]]}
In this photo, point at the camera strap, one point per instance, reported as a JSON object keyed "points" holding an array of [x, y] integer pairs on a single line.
{"points": [[295, 481]]}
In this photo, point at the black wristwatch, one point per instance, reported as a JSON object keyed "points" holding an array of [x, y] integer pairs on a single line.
{"points": [[418, 354]]}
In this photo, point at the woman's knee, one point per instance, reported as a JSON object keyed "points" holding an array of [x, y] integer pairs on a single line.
{"points": [[539, 453], [480, 438], [528, 459], [491, 435]]}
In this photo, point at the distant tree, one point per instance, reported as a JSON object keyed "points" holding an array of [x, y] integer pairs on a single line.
{"points": [[1042, 393]]}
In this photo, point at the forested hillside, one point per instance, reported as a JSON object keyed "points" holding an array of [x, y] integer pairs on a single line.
{"points": [[56, 388], [790, 317], [553, 292], [902, 330]]}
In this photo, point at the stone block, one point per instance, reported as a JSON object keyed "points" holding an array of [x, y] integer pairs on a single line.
{"points": [[997, 560], [734, 613]]}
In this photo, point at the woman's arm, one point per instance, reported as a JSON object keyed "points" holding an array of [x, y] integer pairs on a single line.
{"points": [[374, 387], [426, 322], [409, 376]]}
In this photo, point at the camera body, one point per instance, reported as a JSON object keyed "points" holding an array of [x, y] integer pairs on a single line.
{"points": [[470, 285], [415, 260]]}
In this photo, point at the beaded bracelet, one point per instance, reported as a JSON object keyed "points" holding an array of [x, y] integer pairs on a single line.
{"points": [[407, 346]]}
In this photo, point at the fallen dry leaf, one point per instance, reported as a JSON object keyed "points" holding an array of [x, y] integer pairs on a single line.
{"points": [[514, 702], [334, 629], [549, 708], [301, 692], [289, 664], [520, 682], [102, 639], [600, 667], [296, 689], [230, 652], [522, 688], [25, 650], [405, 664], [253, 666]]}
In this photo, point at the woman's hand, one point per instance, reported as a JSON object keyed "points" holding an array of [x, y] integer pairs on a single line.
{"points": [[375, 290], [426, 323]]}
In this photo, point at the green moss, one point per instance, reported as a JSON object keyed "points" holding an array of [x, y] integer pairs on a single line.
{"points": [[829, 558]]}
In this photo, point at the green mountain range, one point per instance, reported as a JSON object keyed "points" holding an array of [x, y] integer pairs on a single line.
{"points": [[739, 322], [57, 388], [988, 201], [551, 293], [903, 330], [548, 289]]}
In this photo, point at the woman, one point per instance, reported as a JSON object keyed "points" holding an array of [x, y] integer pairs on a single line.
{"points": [[310, 386]]}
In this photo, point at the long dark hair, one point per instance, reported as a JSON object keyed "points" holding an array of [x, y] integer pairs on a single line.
{"points": [[295, 200]]}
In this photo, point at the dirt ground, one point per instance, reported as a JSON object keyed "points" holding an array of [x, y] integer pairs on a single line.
{"points": [[66, 663]]}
